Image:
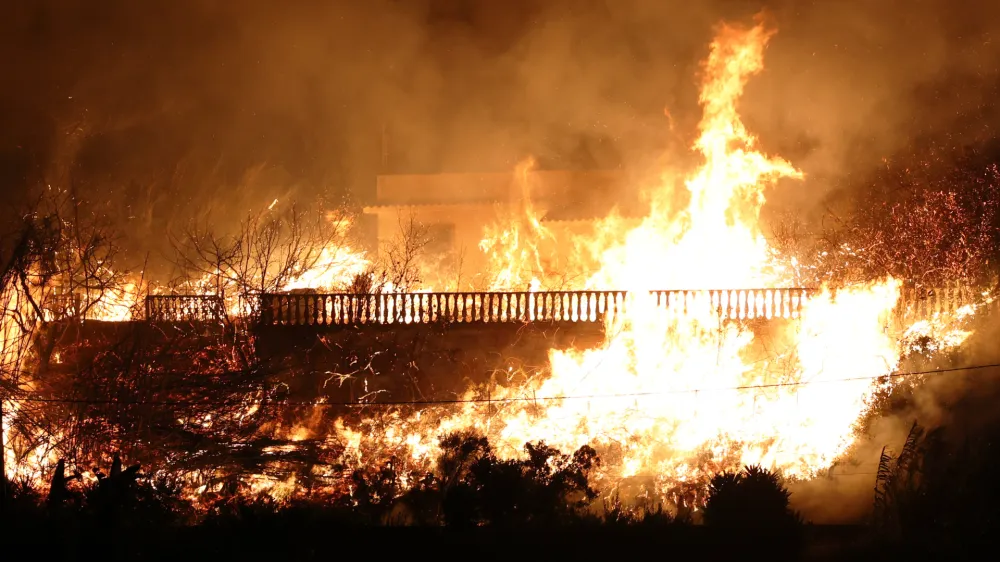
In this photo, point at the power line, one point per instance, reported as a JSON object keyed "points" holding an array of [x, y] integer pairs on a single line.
{"points": [[443, 402]]}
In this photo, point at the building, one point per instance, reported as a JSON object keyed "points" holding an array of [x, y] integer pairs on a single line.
{"points": [[456, 209]]}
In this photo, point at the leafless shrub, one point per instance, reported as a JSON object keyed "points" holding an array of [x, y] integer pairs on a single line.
{"points": [[269, 250], [57, 268]]}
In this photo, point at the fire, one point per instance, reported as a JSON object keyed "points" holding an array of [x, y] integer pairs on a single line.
{"points": [[715, 242], [515, 244], [676, 397], [668, 397]]}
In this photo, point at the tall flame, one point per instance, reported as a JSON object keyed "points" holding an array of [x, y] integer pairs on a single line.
{"points": [[674, 397], [669, 397]]}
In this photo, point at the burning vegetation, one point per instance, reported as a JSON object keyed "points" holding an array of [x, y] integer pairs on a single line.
{"points": [[670, 398]]}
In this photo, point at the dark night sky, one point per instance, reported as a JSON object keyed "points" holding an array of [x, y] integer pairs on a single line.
{"points": [[159, 110]]}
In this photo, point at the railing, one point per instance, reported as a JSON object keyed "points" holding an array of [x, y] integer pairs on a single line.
{"points": [[183, 308], [305, 309], [550, 306], [915, 304]]}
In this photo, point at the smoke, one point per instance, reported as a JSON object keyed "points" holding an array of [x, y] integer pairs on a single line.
{"points": [[184, 107], [960, 402]]}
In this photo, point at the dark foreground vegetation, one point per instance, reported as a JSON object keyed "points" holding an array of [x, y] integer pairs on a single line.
{"points": [[936, 498]]}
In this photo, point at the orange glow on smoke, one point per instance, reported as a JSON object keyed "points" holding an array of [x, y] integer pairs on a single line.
{"points": [[676, 397], [667, 397]]}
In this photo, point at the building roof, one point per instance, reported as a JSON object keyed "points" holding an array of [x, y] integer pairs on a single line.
{"points": [[375, 209], [563, 195]]}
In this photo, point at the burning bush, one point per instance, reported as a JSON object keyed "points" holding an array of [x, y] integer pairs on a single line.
{"points": [[930, 223]]}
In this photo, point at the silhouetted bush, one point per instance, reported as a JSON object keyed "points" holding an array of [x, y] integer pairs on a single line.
{"points": [[752, 506], [474, 487], [546, 488]]}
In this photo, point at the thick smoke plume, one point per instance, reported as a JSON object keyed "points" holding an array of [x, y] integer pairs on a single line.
{"points": [[157, 111]]}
